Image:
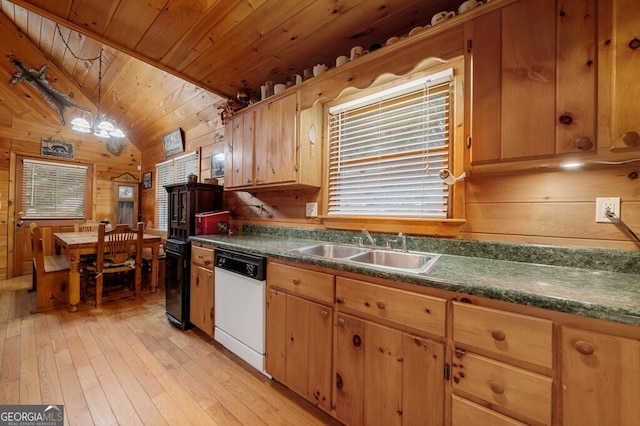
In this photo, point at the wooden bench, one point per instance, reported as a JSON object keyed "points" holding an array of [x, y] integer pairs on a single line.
{"points": [[51, 275]]}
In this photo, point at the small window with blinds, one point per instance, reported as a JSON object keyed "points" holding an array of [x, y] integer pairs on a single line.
{"points": [[387, 149], [53, 190], [167, 173]]}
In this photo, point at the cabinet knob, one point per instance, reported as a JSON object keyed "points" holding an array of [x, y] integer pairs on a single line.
{"points": [[380, 304], [565, 119], [584, 144], [324, 314], [357, 340], [340, 322], [498, 335], [497, 388], [585, 348], [631, 139], [295, 281]]}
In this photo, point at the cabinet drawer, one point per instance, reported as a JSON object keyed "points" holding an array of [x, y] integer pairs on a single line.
{"points": [[465, 412], [521, 337], [303, 282], [413, 310], [202, 257], [514, 389]]}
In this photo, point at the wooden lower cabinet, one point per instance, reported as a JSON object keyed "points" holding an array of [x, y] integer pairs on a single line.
{"points": [[600, 378], [356, 349], [299, 342], [386, 376], [201, 287]]}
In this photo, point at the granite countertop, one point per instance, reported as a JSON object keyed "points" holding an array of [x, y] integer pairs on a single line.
{"points": [[603, 294]]}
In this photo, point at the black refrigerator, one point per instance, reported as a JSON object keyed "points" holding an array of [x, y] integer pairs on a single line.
{"points": [[185, 200]]}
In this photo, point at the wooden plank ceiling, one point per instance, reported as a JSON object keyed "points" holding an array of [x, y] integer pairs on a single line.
{"points": [[165, 60]]}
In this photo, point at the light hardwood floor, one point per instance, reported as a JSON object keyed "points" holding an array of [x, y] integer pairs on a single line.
{"points": [[125, 364]]}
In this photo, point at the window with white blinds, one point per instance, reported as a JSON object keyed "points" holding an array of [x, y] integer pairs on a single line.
{"points": [[53, 190], [167, 173], [387, 149]]}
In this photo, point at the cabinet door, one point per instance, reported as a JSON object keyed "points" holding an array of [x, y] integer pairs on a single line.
{"points": [[514, 90], [297, 345], [386, 376], [576, 76], [239, 156], [533, 80], [422, 381], [246, 157], [382, 375], [275, 141], [600, 378], [621, 39], [276, 334], [486, 95], [320, 354], [201, 301], [349, 366], [230, 167]]}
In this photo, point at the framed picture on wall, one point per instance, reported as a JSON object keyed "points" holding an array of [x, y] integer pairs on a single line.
{"points": [[217, 165], [146, 180], [173, 143]]}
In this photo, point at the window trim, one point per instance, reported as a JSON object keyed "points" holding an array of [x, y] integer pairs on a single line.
{"points": [[447, 227]]}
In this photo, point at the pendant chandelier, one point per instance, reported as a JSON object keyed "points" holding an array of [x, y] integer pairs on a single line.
{"points": [[100, 125]]}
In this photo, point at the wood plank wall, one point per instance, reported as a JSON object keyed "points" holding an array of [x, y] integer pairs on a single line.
{"points": [[555, 207]]}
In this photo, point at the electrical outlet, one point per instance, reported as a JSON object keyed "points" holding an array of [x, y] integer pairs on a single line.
{"points": [[311, 209], [607, 204]]}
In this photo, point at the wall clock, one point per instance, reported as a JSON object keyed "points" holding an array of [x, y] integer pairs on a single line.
{"points": [[125, 198]]}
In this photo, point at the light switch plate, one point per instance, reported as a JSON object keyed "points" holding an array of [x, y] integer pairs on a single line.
{"points": [[312, 209]]}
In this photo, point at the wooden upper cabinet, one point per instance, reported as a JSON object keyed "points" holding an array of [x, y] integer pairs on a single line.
{"points": [[619, 46], [274, 144], [533, 80]]}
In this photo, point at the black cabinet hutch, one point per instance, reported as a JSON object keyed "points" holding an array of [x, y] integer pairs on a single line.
{"points": [[185, 200]]}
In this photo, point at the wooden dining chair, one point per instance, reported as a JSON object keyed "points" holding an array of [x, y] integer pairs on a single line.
{"points": [[116, 272], [88, 226], [51, 274]]}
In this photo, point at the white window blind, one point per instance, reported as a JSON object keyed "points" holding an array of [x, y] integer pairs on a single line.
{"points": [[53, 190], [387, 149], [167, 173]]}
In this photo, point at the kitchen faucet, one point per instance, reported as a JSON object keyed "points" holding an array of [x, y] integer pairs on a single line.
{"points": [[367, 235], [403, 241]]}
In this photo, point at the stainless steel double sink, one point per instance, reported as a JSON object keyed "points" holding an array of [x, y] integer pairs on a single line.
{"points": [[415, 262]]}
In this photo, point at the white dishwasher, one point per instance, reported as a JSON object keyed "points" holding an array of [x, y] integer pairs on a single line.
{"points": [[240, 305]]}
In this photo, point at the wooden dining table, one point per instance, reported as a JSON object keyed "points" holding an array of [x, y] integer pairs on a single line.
{"points": [[78, 244]]}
